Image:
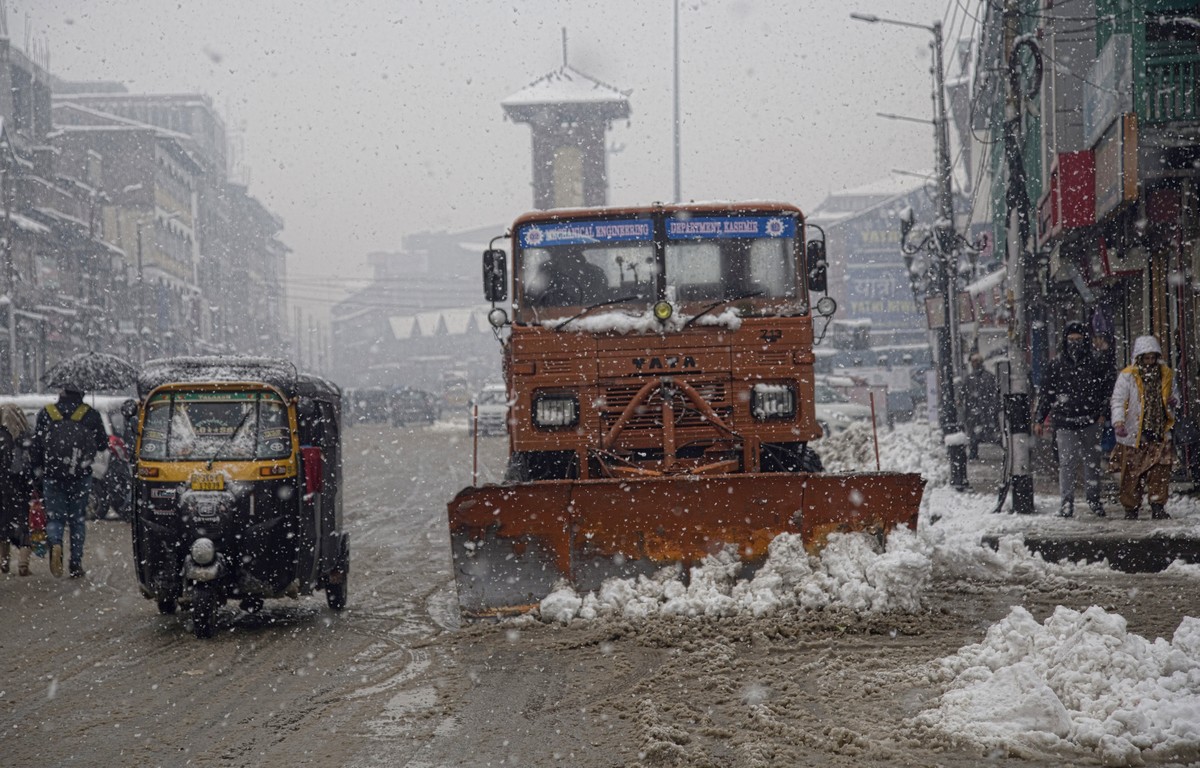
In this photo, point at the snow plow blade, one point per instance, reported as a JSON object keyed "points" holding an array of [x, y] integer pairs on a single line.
{"points": [[513, 543]]}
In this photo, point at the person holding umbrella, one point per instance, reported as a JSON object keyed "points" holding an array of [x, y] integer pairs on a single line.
{"points": [[66, 439]]}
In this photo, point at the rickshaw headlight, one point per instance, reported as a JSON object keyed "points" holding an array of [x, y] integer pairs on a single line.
{"points": [[203, 551]]}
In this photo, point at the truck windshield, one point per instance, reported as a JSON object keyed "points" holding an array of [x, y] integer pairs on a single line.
{"points": [[563, 266], [714, 258], [582, 263], [583, 275], [197, 426]]}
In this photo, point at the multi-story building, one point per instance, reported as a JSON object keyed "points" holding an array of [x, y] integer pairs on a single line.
{"points": [[61, 277], [236, 268], [150, 182]]}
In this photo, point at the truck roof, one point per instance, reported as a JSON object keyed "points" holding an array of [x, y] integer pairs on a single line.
{"points": [[692, 207]]}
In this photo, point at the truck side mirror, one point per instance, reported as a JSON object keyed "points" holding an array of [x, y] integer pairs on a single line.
{"points": [[817, 267], [495, 275]]}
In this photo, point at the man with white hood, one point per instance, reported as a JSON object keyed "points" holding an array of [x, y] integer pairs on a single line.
{"points": [[1143, 403]]}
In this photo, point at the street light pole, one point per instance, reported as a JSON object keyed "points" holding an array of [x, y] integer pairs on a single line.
{"points": [[678, 191], [945, 265], [946, 239]]}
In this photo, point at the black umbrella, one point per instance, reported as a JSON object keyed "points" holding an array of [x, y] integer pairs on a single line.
{"points": [[91, 371]]}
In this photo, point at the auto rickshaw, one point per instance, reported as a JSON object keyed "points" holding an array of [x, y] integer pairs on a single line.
{"points": [[238, 486]]}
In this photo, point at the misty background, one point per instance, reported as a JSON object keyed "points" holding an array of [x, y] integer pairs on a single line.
{"points": [[364, 122]]}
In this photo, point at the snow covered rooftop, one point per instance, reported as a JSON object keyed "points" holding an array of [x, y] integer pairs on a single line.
{"points": [[566, 85]]}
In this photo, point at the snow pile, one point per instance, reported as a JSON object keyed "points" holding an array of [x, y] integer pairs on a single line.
{"points": [[1078, 682], [850, 572], [1079, 686], [911, 447]]}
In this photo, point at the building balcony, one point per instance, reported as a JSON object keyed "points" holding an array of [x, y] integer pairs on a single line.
{"points": [[1172, 89]]}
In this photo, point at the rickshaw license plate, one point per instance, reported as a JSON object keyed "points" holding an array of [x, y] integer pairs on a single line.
{"points": [[208, 481]]}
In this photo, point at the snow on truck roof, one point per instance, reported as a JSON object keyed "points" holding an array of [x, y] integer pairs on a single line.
{"points": [[706, 207]]}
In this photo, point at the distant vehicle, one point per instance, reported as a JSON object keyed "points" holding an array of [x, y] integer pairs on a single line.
{"points": [[456, 392], [414, 406], [835, 411], [368, 404], [112, 474], [492, 404]]}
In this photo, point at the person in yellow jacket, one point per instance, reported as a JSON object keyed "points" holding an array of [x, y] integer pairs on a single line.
{"points": [[1143, 403]]}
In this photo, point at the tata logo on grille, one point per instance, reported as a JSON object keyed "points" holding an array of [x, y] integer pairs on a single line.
{"points": [[671, 362]]}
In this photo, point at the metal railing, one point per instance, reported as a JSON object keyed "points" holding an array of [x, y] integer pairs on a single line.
{"points": [[1172, 88]]}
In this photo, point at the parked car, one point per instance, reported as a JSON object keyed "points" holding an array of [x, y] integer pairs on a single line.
{"points": [[414, 406], [492, 405], [367, 404], [112, 470], [835, 411]]}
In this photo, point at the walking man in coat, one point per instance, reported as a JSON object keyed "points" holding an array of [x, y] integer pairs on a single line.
{"points": [[982, 410], [1143, 405], [1072, 395], [66, 440]]}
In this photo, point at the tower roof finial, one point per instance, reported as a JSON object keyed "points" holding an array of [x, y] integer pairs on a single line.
{"points": [[564, 31]]}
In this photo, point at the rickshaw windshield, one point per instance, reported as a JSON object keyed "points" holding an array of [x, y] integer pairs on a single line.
{"points": [[199, 426]]}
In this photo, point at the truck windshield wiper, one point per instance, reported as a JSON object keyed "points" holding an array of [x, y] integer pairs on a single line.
{"points": [[720, 303], [589, 308]]}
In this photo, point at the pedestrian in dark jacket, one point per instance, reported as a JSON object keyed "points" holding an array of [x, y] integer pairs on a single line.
{"points": [[67, 438], [16, 471], [982, 409], [1074, 395]]}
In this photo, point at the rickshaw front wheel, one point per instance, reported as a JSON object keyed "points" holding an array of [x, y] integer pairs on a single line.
{"points": [[335, 594], [204, 611]]}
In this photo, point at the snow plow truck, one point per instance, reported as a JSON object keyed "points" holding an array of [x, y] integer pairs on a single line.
{"points": [[659, 367]]}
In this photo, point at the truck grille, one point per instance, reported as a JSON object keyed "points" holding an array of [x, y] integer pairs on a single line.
{"points": [[617, 396]]}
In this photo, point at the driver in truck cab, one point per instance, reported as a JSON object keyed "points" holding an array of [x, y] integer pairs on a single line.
{"points": [[566, 278]]}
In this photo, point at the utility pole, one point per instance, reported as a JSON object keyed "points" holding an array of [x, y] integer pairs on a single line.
{"points": [[946, 242], [10, 282], [1016, 402], [141, 299]]}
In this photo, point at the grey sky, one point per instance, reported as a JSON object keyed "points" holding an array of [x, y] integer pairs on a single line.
{"points": [[361, 122]]}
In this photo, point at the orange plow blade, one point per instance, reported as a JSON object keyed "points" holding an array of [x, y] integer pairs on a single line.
{"points": [[513, 543]]}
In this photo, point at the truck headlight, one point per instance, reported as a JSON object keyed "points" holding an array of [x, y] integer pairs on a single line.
{"points": [[773, 401], [556, 411]]}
